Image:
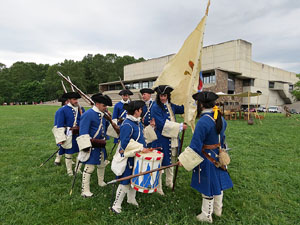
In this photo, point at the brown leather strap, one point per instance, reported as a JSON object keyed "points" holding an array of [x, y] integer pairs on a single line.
{"points": [[75, 130], [211, 159], [211, 146], [98, 143]]}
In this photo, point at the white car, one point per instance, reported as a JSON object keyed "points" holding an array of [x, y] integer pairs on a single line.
{"points": [[273, 109], [261, 109]]}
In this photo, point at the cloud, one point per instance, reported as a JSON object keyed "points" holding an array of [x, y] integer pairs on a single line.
{"points": [[49, 31]]}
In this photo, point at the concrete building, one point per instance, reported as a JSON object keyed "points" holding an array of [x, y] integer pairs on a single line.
{"points": [[227, 67]]}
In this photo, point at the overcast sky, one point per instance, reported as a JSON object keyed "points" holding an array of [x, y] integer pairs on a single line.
{"points": [[49, 31]]}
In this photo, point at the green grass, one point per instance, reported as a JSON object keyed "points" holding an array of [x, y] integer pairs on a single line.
{"points": [[265, 170]]}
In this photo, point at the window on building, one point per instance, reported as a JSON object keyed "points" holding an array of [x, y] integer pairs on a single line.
{"points": [[271, 84], [291, 87], [111, 87], [151, 83], [209, 78], [135, 85], [119, 87], [145, 84], [231, 84], [248, 82]]}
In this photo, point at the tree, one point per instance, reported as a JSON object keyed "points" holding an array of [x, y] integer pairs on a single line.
{"points": [[296, 91], [2, 66], [29, 82]]}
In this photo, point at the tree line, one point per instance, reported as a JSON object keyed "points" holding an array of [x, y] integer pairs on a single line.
{"points": [[296, 91], [31, 82]]}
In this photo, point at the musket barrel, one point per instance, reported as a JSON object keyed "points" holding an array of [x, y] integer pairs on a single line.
{"points": [[87, 98], [141, 174]]}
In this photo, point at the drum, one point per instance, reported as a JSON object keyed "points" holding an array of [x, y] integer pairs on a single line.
{"points": [[144, 162]]}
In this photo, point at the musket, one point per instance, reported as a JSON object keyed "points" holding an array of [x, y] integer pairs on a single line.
{"points": [[79, 107], [85, 97], [62, 83], [73, 183], [123, 86], [112, 149], [49, 157], [176, 170], [71, 85], [115, 126], [142, 173]]}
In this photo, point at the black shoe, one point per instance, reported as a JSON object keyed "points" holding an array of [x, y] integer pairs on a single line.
{"points": [[57, 163]]}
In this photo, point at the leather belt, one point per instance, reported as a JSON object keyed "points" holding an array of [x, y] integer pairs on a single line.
{"points": [[211, 159], [98, 143]]}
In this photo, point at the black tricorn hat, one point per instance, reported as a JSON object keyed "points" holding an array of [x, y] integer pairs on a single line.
{"points": [[104, 99], [163, 89], [63, 98], [146, 90], [125, 92], [70, 95], [205, 96], [134, 105]]}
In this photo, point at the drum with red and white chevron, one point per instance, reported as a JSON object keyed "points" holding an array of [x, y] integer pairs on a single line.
{"points": [[144, 162]]}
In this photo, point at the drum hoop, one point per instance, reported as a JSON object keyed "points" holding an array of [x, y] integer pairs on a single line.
{"points": [[156, 158]]}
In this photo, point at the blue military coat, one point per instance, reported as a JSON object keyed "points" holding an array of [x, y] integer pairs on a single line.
{"points": [[57, 113], [146, 114], [66, 118], [161, 115], [118, 113], [89, 124], [211, 180], [130, 130]]}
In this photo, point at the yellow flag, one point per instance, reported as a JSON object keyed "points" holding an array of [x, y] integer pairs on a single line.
{"points": [[182, 72]]}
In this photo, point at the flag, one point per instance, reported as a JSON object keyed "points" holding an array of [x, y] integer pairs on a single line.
{"points": [[200, 86], [182, 72]]}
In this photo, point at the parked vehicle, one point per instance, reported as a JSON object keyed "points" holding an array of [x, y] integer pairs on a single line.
{"points": [[251, 110], [273, 109], [293, 111], [261, 109]]}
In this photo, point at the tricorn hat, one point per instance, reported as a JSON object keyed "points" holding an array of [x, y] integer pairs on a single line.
{"points": [[134, 105], [205, 96], [163, 89], [63, 98], [125, 92], [146, 90], [72, 94], [104, 99]]}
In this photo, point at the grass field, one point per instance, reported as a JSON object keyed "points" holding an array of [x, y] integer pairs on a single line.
{"points": [[265, 169]]}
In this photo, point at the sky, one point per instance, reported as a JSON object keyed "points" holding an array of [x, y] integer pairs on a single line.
{"points": [[50, 31]]}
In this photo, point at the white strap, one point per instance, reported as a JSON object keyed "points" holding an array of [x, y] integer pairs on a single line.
{"points": [[148, 109], [99, 128], [132, 131], [75, 119], [172, 116], [122, 114]]}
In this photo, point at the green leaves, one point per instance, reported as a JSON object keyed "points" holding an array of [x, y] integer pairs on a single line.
{"points": [[31, 82], [296, 91]]}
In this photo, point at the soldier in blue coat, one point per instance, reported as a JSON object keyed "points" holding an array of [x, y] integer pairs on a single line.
{"points": [[147, 120], [202, 156], [146, 114], [119, 112], [91, 142], [67, 128], [63, 101], [131, 141], [167, 129]]}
